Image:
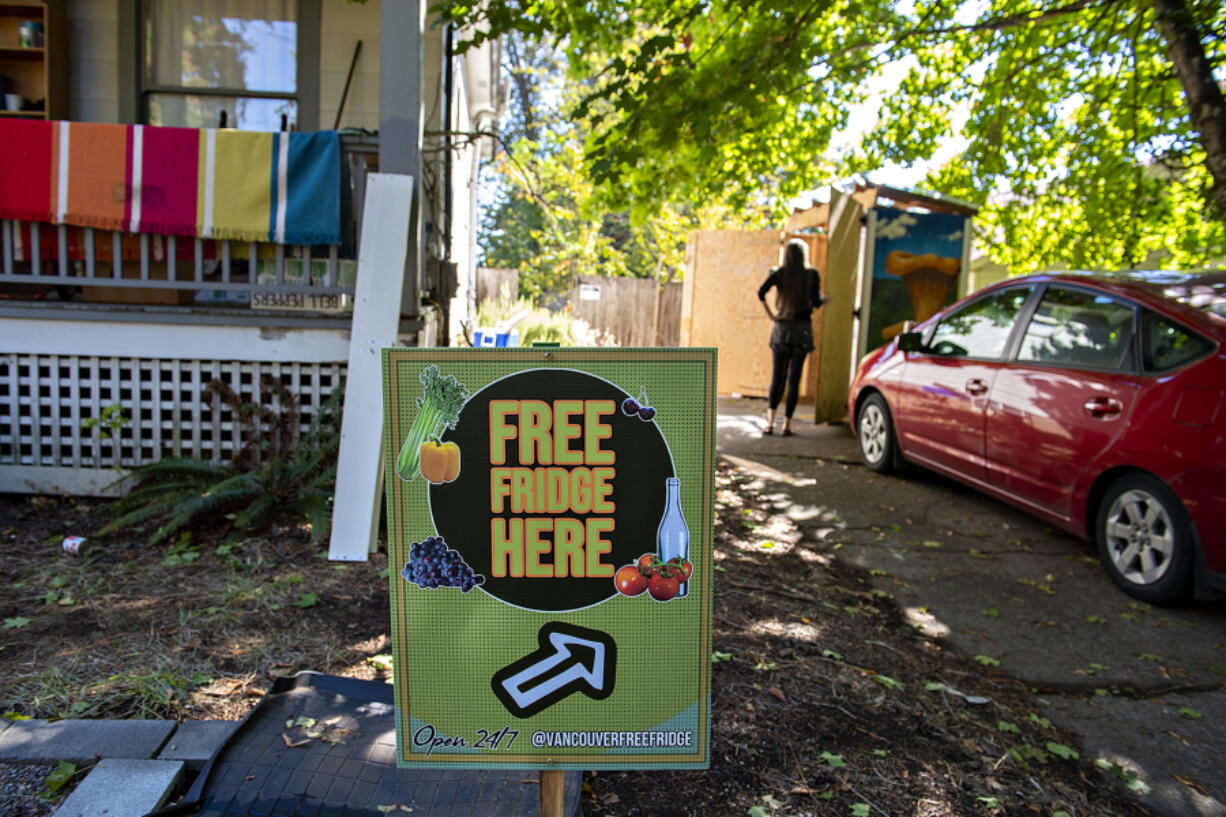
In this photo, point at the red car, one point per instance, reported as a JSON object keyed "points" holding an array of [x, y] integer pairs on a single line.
{"points": [[1094, 401]]}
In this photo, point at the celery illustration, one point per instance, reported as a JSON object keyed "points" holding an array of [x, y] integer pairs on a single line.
{"points": [[438, 410]]}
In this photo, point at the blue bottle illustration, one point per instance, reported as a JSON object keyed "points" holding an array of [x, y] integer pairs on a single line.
{"points": [[673, 536]]}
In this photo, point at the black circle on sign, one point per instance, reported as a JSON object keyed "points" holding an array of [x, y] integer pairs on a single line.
{"points": [[462, 509]]}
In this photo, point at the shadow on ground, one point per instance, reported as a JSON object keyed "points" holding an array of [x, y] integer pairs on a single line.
{"points": [[1143, 686]]}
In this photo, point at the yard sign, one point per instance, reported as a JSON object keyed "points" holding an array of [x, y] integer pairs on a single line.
{"points": [[519, 482]]}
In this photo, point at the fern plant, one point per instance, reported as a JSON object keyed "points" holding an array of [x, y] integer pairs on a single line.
{"points": [[278, 470]]}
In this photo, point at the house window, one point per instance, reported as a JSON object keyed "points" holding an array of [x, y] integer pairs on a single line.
{"points": [[208, 59]]}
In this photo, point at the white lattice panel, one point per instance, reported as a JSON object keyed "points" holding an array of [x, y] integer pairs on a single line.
{"points": [[46, 401]]}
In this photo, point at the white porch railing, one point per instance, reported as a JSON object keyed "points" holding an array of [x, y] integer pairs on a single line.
{"points": [[273, 276], [89, 390], [290, 277]]}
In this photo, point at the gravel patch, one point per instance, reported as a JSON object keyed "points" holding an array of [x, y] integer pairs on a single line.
{"points": [[20, 784]]}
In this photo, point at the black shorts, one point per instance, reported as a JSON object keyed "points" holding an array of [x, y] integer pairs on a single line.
{"points": [[792, 335]]}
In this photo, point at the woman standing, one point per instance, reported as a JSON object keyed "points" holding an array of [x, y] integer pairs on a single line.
{"points": [[798, 292]]}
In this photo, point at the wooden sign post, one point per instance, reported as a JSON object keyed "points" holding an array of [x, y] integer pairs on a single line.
{"points": [[552, 784]]}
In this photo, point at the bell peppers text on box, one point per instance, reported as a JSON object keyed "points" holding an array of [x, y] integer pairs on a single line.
{"points": [[563, 468]]}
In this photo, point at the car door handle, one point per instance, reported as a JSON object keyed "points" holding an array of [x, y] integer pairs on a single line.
{"points": [[976, 387], [1103, 407]]}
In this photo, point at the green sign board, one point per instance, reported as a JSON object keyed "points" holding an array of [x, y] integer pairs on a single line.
{"points": [[549, 516]]}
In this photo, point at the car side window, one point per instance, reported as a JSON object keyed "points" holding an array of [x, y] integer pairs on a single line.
{"points": [[981, 328], [1075, 327], [1166, 345]]}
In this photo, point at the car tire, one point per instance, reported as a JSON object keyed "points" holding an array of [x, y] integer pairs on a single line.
{"points": [[1145, 539], [875, 432]]}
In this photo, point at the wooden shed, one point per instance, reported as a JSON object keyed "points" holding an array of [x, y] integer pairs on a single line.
{"points": [[724, 269], [720, 308]]}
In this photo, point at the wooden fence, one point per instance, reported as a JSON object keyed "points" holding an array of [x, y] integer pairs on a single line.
{"points": [[631, 311], [491, 280]]}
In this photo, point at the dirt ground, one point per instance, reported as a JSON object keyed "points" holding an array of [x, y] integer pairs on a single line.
{"points": [[824, 701]]}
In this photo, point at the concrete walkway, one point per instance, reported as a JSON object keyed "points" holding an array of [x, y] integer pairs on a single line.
{"points": [[1143, 686], [142, 762]]}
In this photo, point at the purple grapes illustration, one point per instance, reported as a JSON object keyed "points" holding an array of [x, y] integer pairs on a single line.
{"points": [[432, 565]]}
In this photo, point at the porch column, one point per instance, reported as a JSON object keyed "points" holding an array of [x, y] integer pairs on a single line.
{"points": [[401, 72]]}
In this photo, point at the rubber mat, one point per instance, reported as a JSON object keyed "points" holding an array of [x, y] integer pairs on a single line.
{"points": [[325, 746]]}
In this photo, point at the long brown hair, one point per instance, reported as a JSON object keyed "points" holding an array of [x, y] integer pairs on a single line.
{"points": [[793, 289]]}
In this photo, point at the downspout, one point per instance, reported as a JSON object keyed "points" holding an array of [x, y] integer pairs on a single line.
{"points": [[448, 94]]}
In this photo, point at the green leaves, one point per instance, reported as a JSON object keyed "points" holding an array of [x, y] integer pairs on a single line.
{"points": [[1094, 669], [383, 662], [60, 776], [936, 686], [1060, 750], [1024, 753], [182, 552], [1130, 778], [889, 683], [306, 600], [1070, 129], [16, 623], [1046, 588]]}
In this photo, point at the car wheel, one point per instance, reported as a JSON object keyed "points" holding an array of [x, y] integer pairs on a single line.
{"points": [[1145, 539], [875, 430]]}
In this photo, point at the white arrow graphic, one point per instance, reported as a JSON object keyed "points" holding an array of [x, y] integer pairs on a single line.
{"points": [[570, 659]]}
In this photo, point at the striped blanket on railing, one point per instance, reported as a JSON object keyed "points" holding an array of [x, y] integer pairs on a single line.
{"points": [[282, 188]]}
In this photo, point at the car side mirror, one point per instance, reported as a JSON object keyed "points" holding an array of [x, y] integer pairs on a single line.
{"points": [[911, 342]]}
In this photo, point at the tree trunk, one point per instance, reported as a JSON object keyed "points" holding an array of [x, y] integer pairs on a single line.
{"points": [[1205, 104], [525, 85]]}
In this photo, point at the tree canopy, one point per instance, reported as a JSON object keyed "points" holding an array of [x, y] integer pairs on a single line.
{"points": [[1091, 132], [549, 219]]}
